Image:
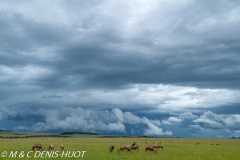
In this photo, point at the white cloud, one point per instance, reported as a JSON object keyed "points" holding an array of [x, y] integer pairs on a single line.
{"points": [[212, 120], [209, 123], [154, 129], [119, 127], [21, 128], [131, 118], [40, 126], [4, 112], [166, 122], [161, 97], [118, 113], [22, 74], [236, 133], [186, 115], [195, 127], [171, 120], [167, 97], [92, 121], [174, 119]]}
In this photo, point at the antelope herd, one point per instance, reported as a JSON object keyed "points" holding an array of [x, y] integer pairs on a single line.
{"points": [[135, 146], [152, 148], [51, 147]]}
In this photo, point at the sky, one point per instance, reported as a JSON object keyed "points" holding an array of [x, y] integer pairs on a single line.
{"points": [[167, 68]]}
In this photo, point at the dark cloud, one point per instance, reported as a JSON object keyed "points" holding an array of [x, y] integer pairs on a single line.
{"points": [[26, 117], [54, 96]]}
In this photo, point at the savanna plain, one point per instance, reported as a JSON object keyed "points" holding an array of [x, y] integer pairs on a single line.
{"points": [[96, 148]]}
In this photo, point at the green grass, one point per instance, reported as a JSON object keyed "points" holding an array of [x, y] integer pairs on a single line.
{"points": [[97, 148]]}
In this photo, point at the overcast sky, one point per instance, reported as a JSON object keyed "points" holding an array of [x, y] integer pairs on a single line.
{"points": [[131, 67]]}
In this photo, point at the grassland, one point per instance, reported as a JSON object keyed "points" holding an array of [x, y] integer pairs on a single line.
{"points": [[97, 148]]}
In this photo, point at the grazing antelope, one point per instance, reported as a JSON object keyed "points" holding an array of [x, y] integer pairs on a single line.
{"points": [[157, 145], [38, 146], [134, 146], [150, 148], [51, 147], [124, 147], [197, 143], [111, 148], [62, 147]]}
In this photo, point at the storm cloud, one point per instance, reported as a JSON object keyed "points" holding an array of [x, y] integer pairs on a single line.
{"points": [[168, 68]]}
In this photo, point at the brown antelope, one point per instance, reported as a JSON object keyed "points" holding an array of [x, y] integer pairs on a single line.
{"points": [[124, 147], [157, 145], [51, 147], [150, 148], [38, 146], [134, 146], [62, 147], [111, 148]]}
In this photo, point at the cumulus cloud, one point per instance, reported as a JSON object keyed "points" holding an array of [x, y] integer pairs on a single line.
{"points": [[117, 121], [174, 119], [186, 115], [195, 127], [4, 112], [236, 133], [215, 121], [210, 120], [21, 128], [166, 122], [171, 120], [102, 121], [154, 129]]}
